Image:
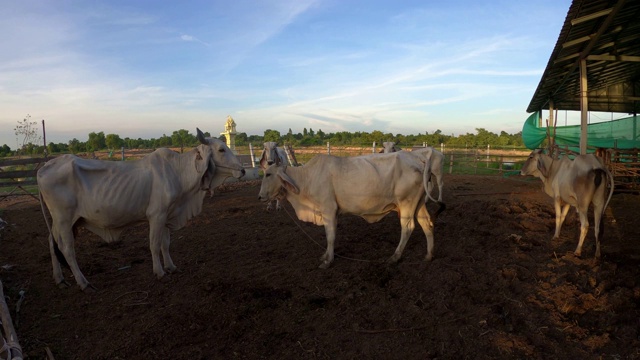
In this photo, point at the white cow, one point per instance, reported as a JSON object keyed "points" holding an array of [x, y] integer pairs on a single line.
{"points": [[272, 154], [389, 147], [164, 188], [370, 186], [579, 182], [435, 157]]}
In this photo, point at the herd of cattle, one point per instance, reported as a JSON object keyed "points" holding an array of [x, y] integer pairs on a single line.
{"points": [[166, 189]]}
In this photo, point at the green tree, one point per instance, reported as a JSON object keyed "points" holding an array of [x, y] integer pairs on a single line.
{"points": [[271, 135], [182, 138], [26, 133], [113, 141], [5, 150], [97, 141], [163, 141], [75, 146]]}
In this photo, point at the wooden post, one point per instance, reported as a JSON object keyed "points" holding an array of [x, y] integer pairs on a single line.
{"points": [[451, 164], [373, 149], [328, 148], [122, 153], [15, 351], [475, 161], [501, 161], [253, 159], [488, 148], [584, 106], [44, 139]]}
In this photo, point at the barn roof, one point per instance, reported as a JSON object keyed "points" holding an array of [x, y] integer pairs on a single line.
{"points": [[607, 34]]}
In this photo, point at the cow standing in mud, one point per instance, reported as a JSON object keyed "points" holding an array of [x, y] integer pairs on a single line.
{"points": [[579, 183], [164, 189], [370, 186]]}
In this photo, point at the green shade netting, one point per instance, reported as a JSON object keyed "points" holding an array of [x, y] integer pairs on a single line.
{"points": [[622, 133]]}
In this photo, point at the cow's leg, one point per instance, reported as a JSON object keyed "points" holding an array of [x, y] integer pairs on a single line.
{"points": [[584, 228], [427, 226], [330, 225], [407, 224], [440, 185], [278, 206], [156, 238], [270, 205], [561, 213], [58, 276], [66, 246], [169, 266], [597, 218]]}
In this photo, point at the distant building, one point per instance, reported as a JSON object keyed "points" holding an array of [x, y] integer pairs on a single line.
{"points": [[230, 133]]}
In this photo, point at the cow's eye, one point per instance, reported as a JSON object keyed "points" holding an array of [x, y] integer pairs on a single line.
{"points": [[267, 175], [220, 150]]}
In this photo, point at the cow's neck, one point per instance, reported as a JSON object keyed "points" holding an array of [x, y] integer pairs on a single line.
{"points": [[305, 206], [552, 168]]}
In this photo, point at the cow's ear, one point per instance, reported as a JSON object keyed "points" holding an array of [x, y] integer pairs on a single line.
{"points": [[201, 160], [263, 160], [288, 183], [542, 167], [200, 137], [278, 159]]}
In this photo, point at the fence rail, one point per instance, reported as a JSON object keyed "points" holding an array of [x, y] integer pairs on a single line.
{"points": [[19, 174]]}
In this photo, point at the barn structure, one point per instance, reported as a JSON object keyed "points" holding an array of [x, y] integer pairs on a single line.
{"points": [[594, 67]]}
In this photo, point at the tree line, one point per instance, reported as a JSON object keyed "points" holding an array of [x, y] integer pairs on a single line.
{"points": [[27, 136]]}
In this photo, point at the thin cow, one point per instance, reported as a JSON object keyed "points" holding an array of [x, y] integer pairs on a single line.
{"points": [[435, 158], [579, 183], [272, 154], [369, 186], [164, 188]]}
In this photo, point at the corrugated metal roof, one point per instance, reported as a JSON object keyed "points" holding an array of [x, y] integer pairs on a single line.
{"points": [[607, 34]]}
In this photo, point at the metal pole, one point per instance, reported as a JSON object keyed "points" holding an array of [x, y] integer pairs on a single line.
{"points": [[328, 148]]}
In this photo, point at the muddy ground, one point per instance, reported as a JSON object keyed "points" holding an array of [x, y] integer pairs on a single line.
{"points": [[250, 287]]}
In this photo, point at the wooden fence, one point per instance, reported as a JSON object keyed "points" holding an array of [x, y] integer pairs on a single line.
{"points": [[18, 175]]}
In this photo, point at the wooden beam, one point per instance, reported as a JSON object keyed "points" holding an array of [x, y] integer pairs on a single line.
{"points": [[593, 16], [614, 58]]}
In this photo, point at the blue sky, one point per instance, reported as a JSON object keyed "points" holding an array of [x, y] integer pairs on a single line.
{"points": [[147, 68]]}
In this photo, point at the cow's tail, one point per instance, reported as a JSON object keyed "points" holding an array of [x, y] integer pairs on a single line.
{"points": [[426, 178], [56, 250], [600, 175]]}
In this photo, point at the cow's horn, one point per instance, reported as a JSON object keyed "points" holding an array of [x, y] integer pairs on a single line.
{"points": [[200, 136]]}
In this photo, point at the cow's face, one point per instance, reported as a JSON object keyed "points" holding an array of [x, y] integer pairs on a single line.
{"points": [[389, 147], [269, 154], [220, 160], [276, 183], [533, 164]]}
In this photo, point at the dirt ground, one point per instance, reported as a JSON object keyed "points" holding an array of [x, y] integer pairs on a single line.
{"points": [[250, 287]]}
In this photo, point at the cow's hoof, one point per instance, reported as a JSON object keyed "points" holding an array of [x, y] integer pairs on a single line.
{"points": [[171, 269], [393, 259], [577, 253], [63, 284], [324, 265], [89, 289]]}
